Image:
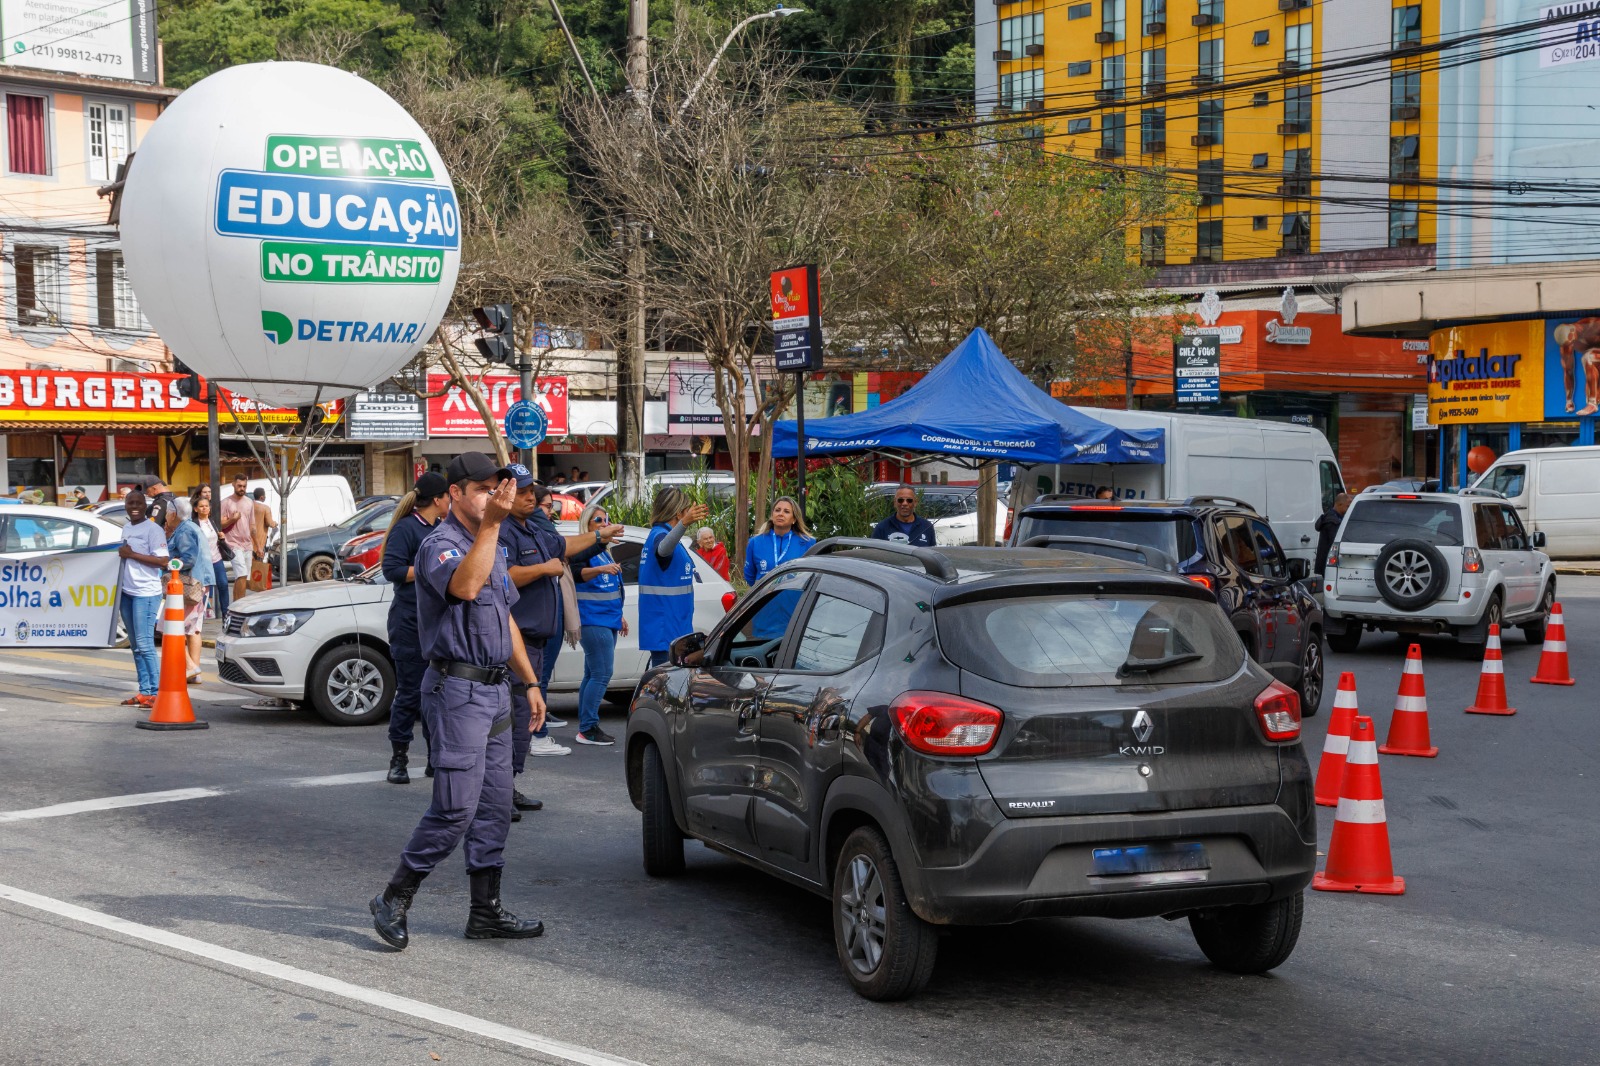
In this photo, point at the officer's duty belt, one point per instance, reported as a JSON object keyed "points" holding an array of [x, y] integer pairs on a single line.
{"points": [[486, 675]]}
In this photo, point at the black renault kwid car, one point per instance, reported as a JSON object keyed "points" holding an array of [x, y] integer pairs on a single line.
{"points": [[972, 736]]}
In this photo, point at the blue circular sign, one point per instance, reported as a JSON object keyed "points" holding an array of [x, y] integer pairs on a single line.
{"points": [[526, 424]]}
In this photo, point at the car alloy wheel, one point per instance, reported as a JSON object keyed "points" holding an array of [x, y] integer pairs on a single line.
{"points": [[862, 910], [1311, 676], [1408, 572], [354, 687]]}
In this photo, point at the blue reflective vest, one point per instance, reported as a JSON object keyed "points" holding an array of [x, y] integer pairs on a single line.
{"points": [[666, 595], [600, 598]]}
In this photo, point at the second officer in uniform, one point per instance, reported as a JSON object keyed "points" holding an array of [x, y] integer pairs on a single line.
{"points": [[465, 633]]}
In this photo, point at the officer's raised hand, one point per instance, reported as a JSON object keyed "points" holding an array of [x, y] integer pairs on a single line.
{"points": [[609, 533], [497, 508], [694, 514]]}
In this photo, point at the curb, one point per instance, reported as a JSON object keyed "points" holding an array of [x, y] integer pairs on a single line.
{"points": [[1580, 569]]}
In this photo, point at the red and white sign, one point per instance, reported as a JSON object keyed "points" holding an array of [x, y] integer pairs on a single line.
{"points": [[453, 414], [62, 395]]}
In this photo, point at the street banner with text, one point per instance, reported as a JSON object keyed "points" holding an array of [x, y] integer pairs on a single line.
{"points": [[59, 599]]}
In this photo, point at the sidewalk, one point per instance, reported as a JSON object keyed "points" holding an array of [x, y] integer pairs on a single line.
{"points": [[1583, 567]]}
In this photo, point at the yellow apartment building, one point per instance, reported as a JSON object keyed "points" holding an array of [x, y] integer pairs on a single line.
{"points": [[1299, 127]]}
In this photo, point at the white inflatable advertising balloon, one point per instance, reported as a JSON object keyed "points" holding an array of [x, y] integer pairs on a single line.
{"points": [[291, 232]]}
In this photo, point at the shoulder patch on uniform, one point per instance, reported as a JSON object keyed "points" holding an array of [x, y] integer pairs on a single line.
{"points": [[448, 554]]}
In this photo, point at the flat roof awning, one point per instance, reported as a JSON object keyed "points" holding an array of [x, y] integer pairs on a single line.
{"points": [[1416, 306]]}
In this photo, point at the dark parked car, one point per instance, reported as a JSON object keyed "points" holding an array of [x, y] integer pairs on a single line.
{"points": [[1217, 543], [314, 554], [975, 736]]}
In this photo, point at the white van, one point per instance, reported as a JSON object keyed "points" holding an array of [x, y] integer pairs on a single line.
{"points": [[1556, 491], [1286, 472], [317, 500]]}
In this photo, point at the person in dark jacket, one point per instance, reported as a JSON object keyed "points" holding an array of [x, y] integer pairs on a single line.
{"points": [[414, 518], [904, 525], [1327, 527]]}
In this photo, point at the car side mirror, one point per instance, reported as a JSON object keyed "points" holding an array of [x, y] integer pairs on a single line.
{"points": [[1299, 569], [1538, 538], [687, 651]]}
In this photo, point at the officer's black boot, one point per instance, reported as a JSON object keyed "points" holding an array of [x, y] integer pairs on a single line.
{"points": [[488, 919], [389, 906], [397, 766]]}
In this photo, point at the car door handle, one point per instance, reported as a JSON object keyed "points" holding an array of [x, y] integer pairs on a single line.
{"points": [[1305, 538]]}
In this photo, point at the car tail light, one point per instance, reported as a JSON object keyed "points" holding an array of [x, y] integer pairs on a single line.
{"points": [[1006, 537], [1333, 557], [1406, 496], [1205, 581], [728, 600], [938, 723], [1471, 561], [1278, 711]]}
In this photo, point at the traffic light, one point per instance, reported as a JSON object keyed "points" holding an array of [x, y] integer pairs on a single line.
{"points": [[500, 344], [189, 384]]}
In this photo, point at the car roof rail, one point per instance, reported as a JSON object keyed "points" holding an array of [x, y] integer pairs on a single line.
{"points": [[935, 563], [1225, 501], [1113, 549], [1493, 493]]}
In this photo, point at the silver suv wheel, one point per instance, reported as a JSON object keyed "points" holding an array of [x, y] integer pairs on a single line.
{"points": [[1408, 572]]}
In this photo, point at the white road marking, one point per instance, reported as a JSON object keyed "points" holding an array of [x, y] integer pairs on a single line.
{"points": [[107, 803], [362, 778], [372, 997]]}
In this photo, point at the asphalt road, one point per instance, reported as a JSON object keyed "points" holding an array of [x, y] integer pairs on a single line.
{"points": [[250, 940]]}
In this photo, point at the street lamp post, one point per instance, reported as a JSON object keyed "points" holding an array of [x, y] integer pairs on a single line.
{"points": [[775, 13]]}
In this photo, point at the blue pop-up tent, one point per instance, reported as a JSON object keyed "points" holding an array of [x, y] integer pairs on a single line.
{"points": [[976, 404]]}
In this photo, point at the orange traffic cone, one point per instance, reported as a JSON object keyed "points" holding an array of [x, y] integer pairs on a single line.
{"points": [[1553, 668], [1330, 770], [172, 709], [1408, 728], [1358, 854], [1492, 681]]}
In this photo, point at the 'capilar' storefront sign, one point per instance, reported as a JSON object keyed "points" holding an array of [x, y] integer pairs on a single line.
{"points": [[1487, 373]]}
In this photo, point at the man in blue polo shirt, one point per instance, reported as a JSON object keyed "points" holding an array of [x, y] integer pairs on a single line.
{"points": [[904, 526]]}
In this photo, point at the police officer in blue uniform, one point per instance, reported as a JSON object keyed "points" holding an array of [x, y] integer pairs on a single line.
{"points": [[414, 518], [464, 599]]}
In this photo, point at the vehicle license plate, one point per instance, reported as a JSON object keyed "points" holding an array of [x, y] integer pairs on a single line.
{"points": [[1164, 858]]}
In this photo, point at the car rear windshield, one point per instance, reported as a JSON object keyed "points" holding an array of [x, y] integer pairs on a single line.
{"points": [[1078, 640], [1380, 521], [1173, 534]]}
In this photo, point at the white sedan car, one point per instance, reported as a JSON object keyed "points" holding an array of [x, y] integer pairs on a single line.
{"points": [[33, 529], [326, 643]]}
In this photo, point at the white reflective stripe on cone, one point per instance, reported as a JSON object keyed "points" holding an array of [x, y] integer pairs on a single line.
{"points": [[1362, 812], [172, 628], [1555, 645], [1362, 751], [1345, 698], [1334, 744], [1493, 666], [1411, 703], [1413, 666]]}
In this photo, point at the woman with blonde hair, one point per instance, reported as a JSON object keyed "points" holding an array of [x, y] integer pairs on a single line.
{"points": [[666, 573], [783, 536]]}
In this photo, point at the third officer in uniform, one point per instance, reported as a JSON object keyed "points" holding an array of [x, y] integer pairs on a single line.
{"points": [[465, 632]]}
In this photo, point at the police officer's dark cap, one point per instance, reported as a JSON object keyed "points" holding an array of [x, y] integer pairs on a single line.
{"points": [[523, 475], [475, 466], [431, 485]]}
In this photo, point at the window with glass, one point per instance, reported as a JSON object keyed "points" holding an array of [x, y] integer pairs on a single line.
{"points": [[1508, 481], [41, 285], [1405, 95], [1020, 31], [1297, 172], [1297, 45], [1404, 159], [1154, 11], [27, 141], [1211, 59], [1153, 70], [1020, 87], [109, 138], [1402, 223], [1111, 133], [1113, 18], [1113, 76], [1258, 161], [1208, 241], [1296, 231], [1208, 181], [1075, 70], [1080, 125], [29, 533], [1407, 25], [1297, 107], [1211, 120], [1260, 37], [1080, 11], [1212, 8], [1269, 553], [1258, 222], [116, 306], [1153, 246], [838, 634], [1153, 130]]}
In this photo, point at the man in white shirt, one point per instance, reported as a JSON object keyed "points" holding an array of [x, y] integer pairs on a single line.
{"points": [[144, 560]]}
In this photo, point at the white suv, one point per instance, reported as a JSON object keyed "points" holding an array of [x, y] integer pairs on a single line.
{"points": [[1429, 562]]}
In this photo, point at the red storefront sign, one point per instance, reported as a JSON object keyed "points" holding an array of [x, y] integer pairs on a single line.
{"points": [[453, 414], [116, 398]]}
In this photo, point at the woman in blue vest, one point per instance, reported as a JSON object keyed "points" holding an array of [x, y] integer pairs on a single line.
{"points": [[666, 573], [783, 536], [600, 595]]}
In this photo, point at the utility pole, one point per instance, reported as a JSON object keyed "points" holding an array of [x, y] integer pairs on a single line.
{"points": [[630, 361]]}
